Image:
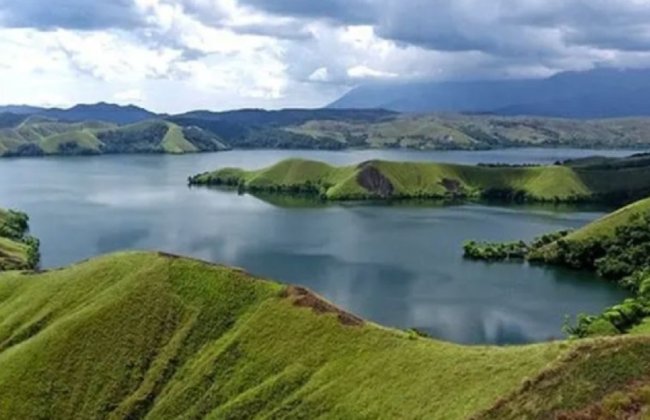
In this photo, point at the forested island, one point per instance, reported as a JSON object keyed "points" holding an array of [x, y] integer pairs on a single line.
{"points": [[586, 180]]}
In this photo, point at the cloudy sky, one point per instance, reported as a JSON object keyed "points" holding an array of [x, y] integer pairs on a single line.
{"points": [[175, 55]]}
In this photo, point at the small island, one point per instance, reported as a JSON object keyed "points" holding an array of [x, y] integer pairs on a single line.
{"points": [[605, 180]]}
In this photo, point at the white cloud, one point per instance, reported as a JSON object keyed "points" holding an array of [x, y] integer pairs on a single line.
{"points": [[321, 74], [363, 72], [173, 55]]}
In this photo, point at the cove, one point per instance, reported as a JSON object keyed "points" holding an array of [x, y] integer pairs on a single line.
{"points": [[398, 265]]}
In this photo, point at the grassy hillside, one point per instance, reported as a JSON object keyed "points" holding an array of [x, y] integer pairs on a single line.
{"points": [[36, 136], [383, 179], [326, 129], [440, 131], [18, 250], [146, 335]]}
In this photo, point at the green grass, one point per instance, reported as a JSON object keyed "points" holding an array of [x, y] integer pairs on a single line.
{"points": [[606, 226], [82, 139], [16, 253], [385, 179], [449, 131], [39, 136], [175, 142], [147, 335]]}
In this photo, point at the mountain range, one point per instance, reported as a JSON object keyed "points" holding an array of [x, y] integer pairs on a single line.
{"points": [[598, 93]]}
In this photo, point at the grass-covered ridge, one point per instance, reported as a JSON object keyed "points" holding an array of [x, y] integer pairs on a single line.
{"points": [[18, 250], [401, 180], [148, 335], [37, 136]]}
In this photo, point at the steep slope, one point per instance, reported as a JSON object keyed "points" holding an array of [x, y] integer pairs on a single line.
{"points": [[147, 335], [41, 136], [384, 179], [18, 250]]}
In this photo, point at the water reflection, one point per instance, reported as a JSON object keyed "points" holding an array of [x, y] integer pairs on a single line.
{"points": [[398, 264]]}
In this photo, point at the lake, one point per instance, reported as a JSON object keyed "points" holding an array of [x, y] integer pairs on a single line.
{"points": [[398, 265]]}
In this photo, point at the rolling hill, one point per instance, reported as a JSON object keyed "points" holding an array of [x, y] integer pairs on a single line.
{"points": [[37, 136], [337, 129], [472, 132], [150, 335], [407, 180]]}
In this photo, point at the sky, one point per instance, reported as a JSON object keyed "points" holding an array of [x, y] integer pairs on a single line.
{"points": [[177, 55]]}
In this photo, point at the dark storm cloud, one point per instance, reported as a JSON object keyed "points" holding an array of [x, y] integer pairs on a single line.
{"points": [[499, 27], [294, 31], [71, 14], [343, 11]]}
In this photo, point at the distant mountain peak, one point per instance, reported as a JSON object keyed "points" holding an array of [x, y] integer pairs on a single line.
{"points": [[600, 92]]}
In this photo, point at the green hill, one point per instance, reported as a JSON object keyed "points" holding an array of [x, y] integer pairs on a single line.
{"points": [[18, 250], [399, 180], [471, 132], [38, 136], [148, 335]]}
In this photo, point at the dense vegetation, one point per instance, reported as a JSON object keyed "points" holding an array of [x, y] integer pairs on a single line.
{"points": [[616, 247], [501, 251], [407, 180], [37, 136], [18, 250], [146, 335]]}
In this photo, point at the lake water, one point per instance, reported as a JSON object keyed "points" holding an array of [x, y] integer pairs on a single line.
{"points": [[398, 265]]}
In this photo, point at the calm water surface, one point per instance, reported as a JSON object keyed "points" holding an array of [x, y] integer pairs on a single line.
{"points": [[396, 265]]}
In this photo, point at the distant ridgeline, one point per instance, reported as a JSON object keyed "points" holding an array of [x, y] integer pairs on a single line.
{"points": [[18, 250], [587, 180], [93, 129], [38, 136]]}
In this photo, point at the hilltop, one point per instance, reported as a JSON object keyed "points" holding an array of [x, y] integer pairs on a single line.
{"points": [[149, 335], [18, 250], [401, 180], [37, 136]]}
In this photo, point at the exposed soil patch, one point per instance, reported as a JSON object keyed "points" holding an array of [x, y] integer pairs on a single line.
{"points": [[453, 186], [306, 298], [374, 181]]}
